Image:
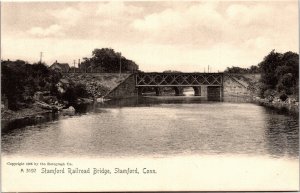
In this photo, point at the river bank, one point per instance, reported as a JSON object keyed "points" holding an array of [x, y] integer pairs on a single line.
{"points": [[27, 116], [37, 112], [289, 106], [8, 115]]}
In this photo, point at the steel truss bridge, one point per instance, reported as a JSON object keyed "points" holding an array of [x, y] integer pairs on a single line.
{"points": [[178, 79]]}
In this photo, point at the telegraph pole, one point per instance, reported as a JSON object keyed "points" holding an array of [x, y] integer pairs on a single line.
{"points": [[74, 66], [79, 65], [41, 57]]}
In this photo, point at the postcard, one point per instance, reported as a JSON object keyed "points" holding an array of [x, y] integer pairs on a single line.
{"points": [[149, 96]]}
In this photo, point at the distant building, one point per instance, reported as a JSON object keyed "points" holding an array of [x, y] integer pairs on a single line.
{"points": [[62, 67]]}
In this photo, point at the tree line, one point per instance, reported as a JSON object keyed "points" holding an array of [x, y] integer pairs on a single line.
{"points": [[279, 75], [238, 70]]}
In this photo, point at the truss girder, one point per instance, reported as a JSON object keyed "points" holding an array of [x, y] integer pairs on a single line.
{"points": [[179, 79]]}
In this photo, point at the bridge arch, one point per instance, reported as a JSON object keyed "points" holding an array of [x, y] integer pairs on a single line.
{"points": [[191, 91], [178, 91]]}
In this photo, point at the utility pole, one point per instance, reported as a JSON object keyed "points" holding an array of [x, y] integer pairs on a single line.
{"points": [[74, 66], [41, 57], [79, 65], [120, 64], [208, 69]]}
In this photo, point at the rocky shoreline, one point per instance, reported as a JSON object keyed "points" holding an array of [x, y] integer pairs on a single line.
{"points": [[27, 116], [289, 106], [38, 112]]}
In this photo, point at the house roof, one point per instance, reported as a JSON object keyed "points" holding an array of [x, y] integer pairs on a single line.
{"points": [[62, 66]]}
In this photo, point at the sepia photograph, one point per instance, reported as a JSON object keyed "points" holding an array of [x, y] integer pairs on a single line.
{"points": [[149, 96]]}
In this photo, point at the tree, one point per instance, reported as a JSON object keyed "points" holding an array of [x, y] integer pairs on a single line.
{"points": [[21, 80], [12, 86], [268, 67], [254, 69], [107, 60], [279, 72]]}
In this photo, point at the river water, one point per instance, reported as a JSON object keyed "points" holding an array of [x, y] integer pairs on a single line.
{"points": [[158, 127]]}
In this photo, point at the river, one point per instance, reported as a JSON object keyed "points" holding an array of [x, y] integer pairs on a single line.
{"points": [[162, 127]]}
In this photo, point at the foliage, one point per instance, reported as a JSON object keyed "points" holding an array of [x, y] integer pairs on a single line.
{"points": [[12, 87], [280, 72], [283, 97], [74, 92], [269, 93], [107, 60], [21, 80], [239, 70]]}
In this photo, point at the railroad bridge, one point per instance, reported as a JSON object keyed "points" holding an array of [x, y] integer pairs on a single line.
{"points": [[208, 84], [213, 86]]}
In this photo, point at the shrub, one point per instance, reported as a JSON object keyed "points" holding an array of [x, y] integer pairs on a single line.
{"points": [[74, 92], [69, 95], [283, 97], [270, 93], [80, 90]]}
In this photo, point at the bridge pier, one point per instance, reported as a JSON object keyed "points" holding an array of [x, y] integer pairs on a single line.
{"points": [[203, 91], [178, 91], [140, 91], [214, 93], [197, 90], [158, 91]]}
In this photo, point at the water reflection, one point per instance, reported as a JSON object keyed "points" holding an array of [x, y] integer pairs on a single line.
{"points": [[282, 135], [147, 101], [160, 126], [7, 126]]}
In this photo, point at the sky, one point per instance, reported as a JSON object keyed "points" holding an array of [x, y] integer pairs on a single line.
{"points": [[186, 36]]}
